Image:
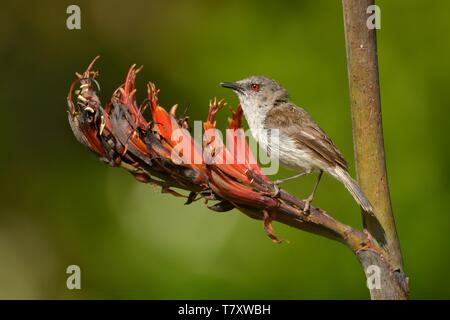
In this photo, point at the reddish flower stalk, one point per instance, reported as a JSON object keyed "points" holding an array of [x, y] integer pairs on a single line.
{"points": [[149, 149]]}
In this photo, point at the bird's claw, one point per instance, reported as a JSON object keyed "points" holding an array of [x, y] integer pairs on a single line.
{"points": [[307, 204], [276, 188]]}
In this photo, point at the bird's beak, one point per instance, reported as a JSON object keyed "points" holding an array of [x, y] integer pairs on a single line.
{"points": [[231, 85]]}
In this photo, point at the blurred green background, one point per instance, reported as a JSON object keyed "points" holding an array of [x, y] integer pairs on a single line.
{"points": [[61, 206]]}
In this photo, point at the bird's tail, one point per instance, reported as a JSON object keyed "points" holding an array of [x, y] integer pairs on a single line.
{"points": [[353, 187]]}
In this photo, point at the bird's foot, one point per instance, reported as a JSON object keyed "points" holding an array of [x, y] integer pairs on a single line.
{"points": [[276, 188], [307, 204]]}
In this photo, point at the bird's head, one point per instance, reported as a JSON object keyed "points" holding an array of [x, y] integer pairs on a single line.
{"points": [[257, 92]]}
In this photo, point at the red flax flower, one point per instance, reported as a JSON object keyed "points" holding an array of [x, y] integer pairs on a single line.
{"points": [[149, 149], [160, 150]]}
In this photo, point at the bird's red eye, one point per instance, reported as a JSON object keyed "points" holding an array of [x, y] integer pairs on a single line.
{"points": [[255, 87]]}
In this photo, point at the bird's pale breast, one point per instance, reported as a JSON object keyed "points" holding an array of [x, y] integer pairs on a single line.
{"points": [[283, 149]]}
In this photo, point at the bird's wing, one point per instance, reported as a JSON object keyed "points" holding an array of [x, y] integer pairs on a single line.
{"points": [[299, 126]]}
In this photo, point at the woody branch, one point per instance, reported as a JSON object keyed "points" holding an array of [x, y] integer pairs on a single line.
{"points": [[368, 138]]}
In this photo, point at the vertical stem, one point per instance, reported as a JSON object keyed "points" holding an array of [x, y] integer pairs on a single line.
{"points": [[362, 66]]}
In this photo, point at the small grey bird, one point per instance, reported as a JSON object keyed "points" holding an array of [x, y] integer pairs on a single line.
{"points": [[301, 144]]}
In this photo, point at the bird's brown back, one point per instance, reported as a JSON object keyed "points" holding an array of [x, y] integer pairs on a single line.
{"points": [[297, 124]]}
